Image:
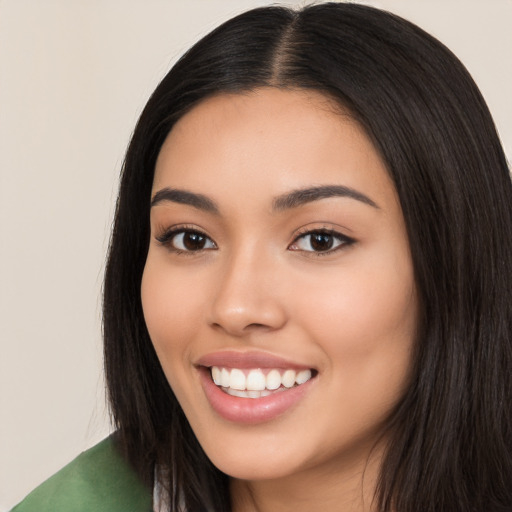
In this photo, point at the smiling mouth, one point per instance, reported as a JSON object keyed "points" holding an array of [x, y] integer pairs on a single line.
{"points": [[258, 382]]}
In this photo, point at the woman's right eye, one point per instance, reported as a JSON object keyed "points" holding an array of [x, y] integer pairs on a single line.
{"points": [[186, 240]]}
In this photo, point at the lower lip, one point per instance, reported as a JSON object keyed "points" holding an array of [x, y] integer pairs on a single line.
{"points": [[251, 410]]}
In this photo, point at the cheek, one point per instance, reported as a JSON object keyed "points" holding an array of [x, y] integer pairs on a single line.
{"points": [[172, 309], [365, 321], [363, 310]]}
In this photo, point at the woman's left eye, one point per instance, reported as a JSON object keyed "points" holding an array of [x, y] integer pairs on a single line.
{"points": [[320, 242]]}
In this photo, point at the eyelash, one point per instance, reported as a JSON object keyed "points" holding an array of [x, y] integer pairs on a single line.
{"points": [[344, 241], [166, 239]]}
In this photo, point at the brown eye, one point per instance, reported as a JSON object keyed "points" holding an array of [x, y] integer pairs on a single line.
{"points": [[320, 242], [194, 241], [190, 241]]}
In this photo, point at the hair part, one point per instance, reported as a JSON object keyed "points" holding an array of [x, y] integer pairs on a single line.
{"points": [[450, 442]]}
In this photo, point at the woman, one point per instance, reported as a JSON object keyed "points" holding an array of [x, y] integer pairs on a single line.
{"points": [[307, 299]]}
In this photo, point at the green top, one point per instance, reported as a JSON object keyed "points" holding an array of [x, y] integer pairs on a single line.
{"points": [[98, 480]]}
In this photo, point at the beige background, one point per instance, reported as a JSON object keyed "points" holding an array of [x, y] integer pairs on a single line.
{"points": [[74, 75]]}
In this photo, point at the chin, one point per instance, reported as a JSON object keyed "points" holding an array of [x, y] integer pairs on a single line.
{"points": [[264, 454], [262, 467]]}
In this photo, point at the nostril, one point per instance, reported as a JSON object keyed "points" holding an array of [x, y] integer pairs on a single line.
{"points": [[256, 326], [252, 327]]}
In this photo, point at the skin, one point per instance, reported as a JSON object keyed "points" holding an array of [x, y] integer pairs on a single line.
{"points": [[349, 313]]}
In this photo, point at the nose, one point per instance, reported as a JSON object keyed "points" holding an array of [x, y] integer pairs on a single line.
{"points": [[246, 297]]}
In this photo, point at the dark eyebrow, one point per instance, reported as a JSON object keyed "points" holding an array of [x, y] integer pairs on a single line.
{"points": [[174, 195], [307, 195]]}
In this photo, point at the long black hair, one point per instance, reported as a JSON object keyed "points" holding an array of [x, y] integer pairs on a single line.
{"points": [[450, 445]]}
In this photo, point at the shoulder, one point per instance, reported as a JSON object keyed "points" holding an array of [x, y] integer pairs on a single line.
{"points": [[98, 480]]}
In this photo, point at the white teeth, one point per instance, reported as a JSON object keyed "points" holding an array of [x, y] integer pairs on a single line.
{"points": [[303, 376], [224, 378], [256, 383], [237, 379], [236, 392], [273, 379], [288, 378], [250, 394], [216, 373]]}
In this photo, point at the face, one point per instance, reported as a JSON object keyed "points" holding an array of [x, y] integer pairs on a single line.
{"points": [[278, 289]]}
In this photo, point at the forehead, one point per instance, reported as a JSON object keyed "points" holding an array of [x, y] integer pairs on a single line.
{"points": [[268, 141]]}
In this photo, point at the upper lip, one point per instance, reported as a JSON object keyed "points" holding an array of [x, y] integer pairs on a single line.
{"points": [[246, 360]]}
